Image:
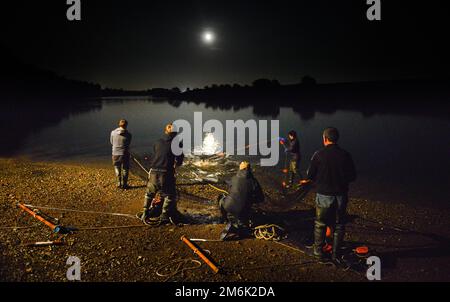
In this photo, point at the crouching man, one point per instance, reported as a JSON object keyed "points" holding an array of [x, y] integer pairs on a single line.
{"points": [[331, 169], [162, 180], [235, 208], [120, 140]]}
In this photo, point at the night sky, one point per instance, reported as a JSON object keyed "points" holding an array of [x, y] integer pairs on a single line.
{"points": [[146, 44]]}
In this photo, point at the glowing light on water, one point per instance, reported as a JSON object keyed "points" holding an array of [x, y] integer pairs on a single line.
{"points": [[210, 146]]}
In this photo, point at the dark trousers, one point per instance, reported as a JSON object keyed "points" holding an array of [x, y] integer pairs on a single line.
{"points": [[294, 170], [162, 183], [239, 222], [122, 161], [330, 211], [121, 165]]}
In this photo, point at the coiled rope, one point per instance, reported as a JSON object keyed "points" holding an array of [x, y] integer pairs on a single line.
{"points": [[176, 267], [269, 232]]}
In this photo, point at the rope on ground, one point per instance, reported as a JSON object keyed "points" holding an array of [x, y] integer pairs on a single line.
{"points": [[80, 211], [176, 267], [218, 189], [16, 227], [111, 227], [348, 269], [302, 263], [19, 227], [290, 247], [269, 232]]}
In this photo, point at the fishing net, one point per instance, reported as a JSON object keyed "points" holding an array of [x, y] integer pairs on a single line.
{"points": [[140, 165], [196, 169]]}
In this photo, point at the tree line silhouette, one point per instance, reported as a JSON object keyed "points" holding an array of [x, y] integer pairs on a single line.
{"points": [[266, 96]]}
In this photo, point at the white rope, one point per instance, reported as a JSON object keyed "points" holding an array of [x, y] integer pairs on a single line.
{"points": [[80, 211]]}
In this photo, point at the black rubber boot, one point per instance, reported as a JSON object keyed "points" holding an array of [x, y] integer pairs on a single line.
{"points": [[292, 176], [163, 220], [229, 233], [319, 239], [167, 210], [320, 228], [125, 179], [145, 213], [223, 213], [338, 238], [118, 172]]}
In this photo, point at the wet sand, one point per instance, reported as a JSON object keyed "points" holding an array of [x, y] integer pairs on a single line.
{"points": [[412, 241]]}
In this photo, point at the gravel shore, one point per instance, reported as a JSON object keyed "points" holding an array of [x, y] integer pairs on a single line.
{"points": [[412, 241]]}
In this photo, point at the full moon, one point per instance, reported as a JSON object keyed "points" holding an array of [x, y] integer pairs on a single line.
{"points": [[208, 37]]}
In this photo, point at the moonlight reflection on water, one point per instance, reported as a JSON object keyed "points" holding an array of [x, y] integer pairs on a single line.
{"points": [[210, 146]]}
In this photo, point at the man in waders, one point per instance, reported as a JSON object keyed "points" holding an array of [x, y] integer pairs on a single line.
{"points": [[235, 207], [162, 180], [292, 148], [331, 169], [120, 141]]}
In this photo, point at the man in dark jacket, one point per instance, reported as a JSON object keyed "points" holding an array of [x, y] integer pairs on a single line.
{"points": [[331, 169], [244, 191], [293, 149], [162, 178], [120, 140]]}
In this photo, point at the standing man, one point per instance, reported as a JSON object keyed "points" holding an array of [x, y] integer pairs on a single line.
{"points": [[162, 178], [293, 149], [331, 169], [235, 207], [120, 141]]}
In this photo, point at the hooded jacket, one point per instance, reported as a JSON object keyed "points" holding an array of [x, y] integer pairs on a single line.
{"points": [[163, 159], [244, 190], [120, 141]]}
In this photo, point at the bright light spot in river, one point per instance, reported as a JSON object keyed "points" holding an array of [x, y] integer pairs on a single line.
{"points": [[210, 146]]}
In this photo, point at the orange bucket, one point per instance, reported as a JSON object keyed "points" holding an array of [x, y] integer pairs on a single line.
{"points": [[362, 250]]}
